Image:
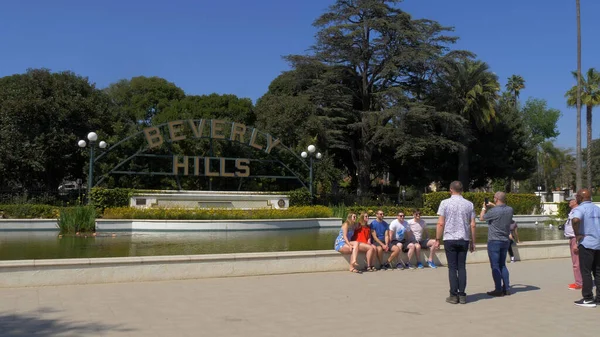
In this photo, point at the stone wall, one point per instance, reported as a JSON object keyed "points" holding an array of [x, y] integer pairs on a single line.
{"points": [[29, 273]]}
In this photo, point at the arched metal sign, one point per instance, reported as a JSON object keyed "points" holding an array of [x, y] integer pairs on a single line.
{"points": [[189, 148]]}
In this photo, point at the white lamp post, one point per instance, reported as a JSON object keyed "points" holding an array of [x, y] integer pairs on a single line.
{"points": [[311, 154], [92, 137]]}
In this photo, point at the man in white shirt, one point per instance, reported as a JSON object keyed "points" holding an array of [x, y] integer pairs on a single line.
{"points": [[401, 240], [418, 228], [573, 246], [457, 225]]}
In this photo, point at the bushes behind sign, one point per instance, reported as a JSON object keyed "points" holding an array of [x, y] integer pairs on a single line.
{"points": [[104, 198], [302, 212]]}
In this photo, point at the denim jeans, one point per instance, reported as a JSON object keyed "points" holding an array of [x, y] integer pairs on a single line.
{"points": [[456, 255], [510, 250], [497, 253]]}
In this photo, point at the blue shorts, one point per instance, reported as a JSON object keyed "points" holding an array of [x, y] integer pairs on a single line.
{"points": [[376, 244], [424, 243], [339, 245]]}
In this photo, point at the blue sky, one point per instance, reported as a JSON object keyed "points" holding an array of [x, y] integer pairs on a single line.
{"points": [[235, 46]]}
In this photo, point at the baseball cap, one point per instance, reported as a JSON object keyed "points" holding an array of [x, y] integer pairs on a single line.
{"points": [[570, 198]]}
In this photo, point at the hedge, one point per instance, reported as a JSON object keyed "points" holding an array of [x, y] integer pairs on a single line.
{"points": [[388, 210], [521, 203], [563, 210], [104, 198], [30, 211], [216, 214], [299, 197]]}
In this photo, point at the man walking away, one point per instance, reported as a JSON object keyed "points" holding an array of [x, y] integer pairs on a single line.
{"points": [[499, 219], [586, 225], [457, 225]]}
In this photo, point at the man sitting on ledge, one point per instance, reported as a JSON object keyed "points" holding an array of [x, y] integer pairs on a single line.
{"points": [[418, 227], [401, 240]]}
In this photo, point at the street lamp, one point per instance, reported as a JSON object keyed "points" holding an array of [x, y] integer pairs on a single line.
{"points": [[311, 155], [92, 137]]}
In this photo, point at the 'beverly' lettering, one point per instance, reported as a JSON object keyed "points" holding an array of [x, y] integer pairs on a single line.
{"points": [[218, 130]]}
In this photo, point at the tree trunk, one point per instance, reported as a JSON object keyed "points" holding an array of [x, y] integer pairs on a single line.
{"points": [[463, 167], [578, 173], [508, 185], [361, 154], [363, 168], [588, 164]]}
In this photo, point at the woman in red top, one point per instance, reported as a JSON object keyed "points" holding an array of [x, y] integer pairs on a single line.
{"points": [[363, 236]]}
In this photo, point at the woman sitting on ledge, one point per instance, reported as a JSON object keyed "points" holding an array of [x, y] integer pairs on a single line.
{"points": [[343, 243], [362, 234]]}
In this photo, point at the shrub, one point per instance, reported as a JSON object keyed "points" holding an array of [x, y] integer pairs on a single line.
{"points": [[300, 197], [77, 219], [30, 211], [563, 210], [217, 214], [388, 210], [104, 198], [524, 203], [521, 203], [339, 211]]}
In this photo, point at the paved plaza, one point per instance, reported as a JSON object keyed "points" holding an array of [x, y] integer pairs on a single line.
{"points": [[384, 303]]}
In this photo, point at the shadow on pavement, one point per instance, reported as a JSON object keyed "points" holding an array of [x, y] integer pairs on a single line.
{"points": [[33, 324], [515, 289], [521, 288]]}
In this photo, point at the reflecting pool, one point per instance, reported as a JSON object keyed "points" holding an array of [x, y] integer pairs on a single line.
{"points": [[21, 245]]}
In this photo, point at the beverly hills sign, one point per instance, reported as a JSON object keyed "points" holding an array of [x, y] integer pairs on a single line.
{"points": [[212, 129]]}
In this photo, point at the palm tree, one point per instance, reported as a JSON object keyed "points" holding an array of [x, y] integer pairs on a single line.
{"points": [[590, 97], [557, 165], [515, 84], [578, 154], [470, 89]]}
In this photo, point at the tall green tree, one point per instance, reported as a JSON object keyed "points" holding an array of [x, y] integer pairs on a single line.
{"points": [[469, 89], [141, 98], [503, 152], [304, 104], [137, 102], [42, 115], [372, 48], [556, 166], [595, 153], [213, 106], [541, 123], [540, 120], [589, 89], [515, 84]]}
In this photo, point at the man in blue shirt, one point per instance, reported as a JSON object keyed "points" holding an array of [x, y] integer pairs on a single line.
{"points": [[379, 232], [586, 225]]}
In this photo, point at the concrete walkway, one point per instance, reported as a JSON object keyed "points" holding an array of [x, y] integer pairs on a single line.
{"points": [[384, 303]]}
